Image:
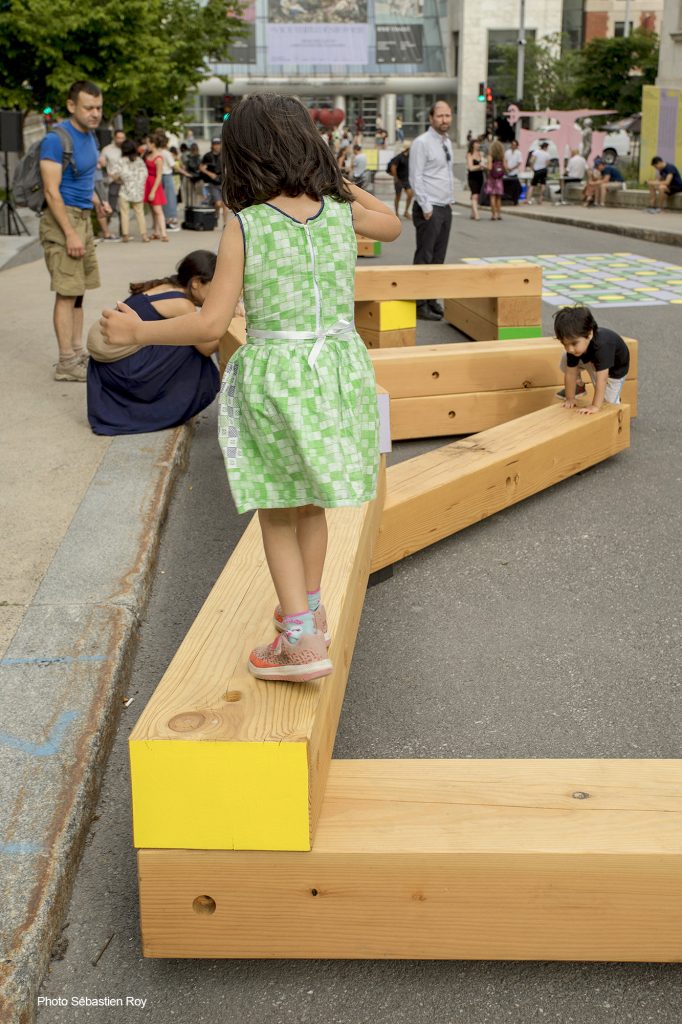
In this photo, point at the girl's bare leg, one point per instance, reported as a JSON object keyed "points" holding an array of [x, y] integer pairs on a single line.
{"points": [[312, 541], [283, 554]]}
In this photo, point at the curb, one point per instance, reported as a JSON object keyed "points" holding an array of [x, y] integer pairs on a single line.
{"points": [[70, 663], [629, 230]]}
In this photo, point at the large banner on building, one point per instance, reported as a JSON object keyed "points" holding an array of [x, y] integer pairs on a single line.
{"points": [[317, 32]]}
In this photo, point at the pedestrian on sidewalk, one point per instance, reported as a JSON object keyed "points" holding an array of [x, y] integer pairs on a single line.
{"points": [[66, 233], [431, 180], [668, 183], [136, 390], [109, 157], [399, 169], [154, 193], [513, 162], [298, 414], [494, 182], [539, 161], [131, 174], [210, 169], [170, 207], [475, 175]]}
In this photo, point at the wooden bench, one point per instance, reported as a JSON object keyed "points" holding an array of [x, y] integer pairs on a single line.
{"points": [[435, 495], [434, 859], [464, 388], [221, 760], [634, 198]]}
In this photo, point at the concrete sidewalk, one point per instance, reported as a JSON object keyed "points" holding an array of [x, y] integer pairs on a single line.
{"points": [[664, 228], [81, 519]]}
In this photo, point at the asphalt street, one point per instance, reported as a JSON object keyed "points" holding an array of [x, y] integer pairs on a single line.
{"points": [[549, 630]]}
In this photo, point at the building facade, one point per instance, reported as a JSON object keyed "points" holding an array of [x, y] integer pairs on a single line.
{"points": [[662, 103], [386, 58]]}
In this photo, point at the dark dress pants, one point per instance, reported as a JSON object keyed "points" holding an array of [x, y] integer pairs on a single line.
{"points": [[432, 235]]}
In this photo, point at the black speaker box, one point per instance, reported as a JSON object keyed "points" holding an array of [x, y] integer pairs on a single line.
{"points": [[200, 218], [11, 131]]}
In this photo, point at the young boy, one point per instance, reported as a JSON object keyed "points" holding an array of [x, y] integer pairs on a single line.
{"points": [[601, 352]]}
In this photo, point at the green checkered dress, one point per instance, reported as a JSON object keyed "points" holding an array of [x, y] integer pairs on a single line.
{"points": [[298, 420]]}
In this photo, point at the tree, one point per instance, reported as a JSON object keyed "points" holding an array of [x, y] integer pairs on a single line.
{"points": [[548, 74], [611, 72], [143, 53]]}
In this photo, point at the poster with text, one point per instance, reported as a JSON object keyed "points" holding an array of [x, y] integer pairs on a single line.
{"points": [[400, 44]]}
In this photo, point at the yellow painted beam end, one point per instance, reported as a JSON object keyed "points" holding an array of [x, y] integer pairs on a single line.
{"points": [[214, 795]]}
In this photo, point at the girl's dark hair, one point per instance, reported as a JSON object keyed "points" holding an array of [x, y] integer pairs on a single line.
{"points": [[270, 147], [470, 147], [573, 322], [200, 263], [129, 149]]}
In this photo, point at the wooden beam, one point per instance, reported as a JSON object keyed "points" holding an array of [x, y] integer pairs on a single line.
{"points": [[447, 281], [476, 326], [434, 859], [220, 760], [446, 415], [435, 495], [468, 367], [512, 311], [388, 339]]}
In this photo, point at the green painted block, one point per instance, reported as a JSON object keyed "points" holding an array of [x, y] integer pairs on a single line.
{"points": [[512, 333]]}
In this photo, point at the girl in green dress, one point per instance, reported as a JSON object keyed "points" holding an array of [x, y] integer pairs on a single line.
{"points": [[298, 410]]}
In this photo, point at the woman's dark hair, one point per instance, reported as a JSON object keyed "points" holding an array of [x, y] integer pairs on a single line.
{"points": [[129, 149], [470, 147], [200, 263], [271, 147], [573, 322], [159, 138]]}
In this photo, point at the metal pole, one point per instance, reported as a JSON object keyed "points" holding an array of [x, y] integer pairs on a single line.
{"points": [[521, 52], [626, 29]]}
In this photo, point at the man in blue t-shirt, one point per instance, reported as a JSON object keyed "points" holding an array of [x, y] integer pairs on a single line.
{"points": [[668, 183], [611, 180], [66, 224]]}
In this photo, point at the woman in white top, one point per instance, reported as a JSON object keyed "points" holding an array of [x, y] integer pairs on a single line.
{"points": [[131, 173], [170, 208]]}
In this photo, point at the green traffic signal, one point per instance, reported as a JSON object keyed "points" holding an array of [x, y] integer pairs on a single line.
{"points": [[481, 92], [47, 110]]}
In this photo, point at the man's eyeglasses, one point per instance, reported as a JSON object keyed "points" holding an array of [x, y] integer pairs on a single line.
{"points": [[447, 153]]}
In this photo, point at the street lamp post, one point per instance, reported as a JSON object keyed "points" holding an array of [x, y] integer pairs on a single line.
{"points": [[521, 52]]}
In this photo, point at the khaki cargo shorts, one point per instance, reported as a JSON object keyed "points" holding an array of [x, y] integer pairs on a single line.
{"points": [[69, 276]]}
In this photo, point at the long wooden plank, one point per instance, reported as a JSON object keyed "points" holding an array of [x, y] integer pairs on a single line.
{"points": [[445, 415], [447, 281], [220, 760], [437, 494], [388, 339], [505, 860], [468, 367]]}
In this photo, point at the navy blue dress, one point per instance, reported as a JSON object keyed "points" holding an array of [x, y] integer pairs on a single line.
{"points": [[158, 387]]}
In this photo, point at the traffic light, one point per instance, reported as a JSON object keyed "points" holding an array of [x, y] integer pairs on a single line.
{"points": [[488, 95], [47, 116], [481, 92]]}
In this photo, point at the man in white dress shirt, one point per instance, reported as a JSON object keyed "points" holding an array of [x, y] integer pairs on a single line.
{"points": [[431, 180]]}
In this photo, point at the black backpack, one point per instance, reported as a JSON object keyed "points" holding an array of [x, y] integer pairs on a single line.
{"points": [[27, 183]]}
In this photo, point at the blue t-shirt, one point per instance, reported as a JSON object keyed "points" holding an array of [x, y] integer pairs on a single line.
{"points": [[76, 188], [676, 181], [612, 172]]}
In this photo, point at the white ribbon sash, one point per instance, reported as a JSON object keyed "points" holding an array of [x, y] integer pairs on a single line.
{"points": [[340, 328]]}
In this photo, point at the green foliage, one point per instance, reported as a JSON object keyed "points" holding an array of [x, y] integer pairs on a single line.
{"points": [[607, 73], [611, 72], [548, 74], [142, 53]]}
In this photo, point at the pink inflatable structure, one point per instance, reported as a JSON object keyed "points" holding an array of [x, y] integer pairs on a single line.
{"points": [[567, 135]]}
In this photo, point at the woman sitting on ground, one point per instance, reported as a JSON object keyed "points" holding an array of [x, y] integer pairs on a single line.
{"points": [[135, 390]]}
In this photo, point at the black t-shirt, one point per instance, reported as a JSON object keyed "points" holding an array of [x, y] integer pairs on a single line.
{"points": [[401, 162], [211, 161], [607, 351], [675, 181]]}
